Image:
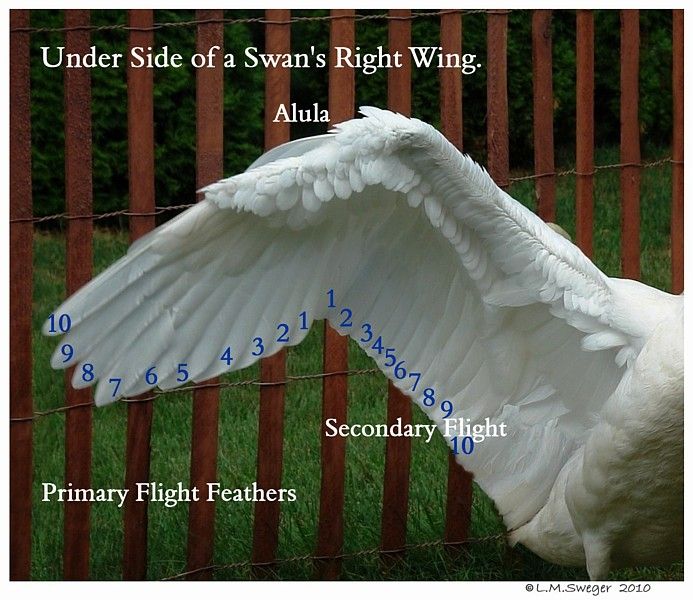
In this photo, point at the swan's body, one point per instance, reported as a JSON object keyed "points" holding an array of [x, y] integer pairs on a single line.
{"points": [[618, 500], [498, 313]]}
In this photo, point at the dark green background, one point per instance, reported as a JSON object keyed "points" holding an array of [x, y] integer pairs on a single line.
{"points": [[174, 90]]}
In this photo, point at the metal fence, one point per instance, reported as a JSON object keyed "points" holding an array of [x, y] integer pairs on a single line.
{"points": [[142, 210]]}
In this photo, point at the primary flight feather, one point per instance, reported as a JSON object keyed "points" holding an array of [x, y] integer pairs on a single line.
{"points": [[473, 295]]}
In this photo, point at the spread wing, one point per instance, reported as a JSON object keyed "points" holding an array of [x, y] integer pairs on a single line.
{"points": [[406, 245]]}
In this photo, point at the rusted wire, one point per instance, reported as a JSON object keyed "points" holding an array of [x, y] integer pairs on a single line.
{"points": [[199, 386], [345, 555], [647, 165], [162, 209], [116, 213], [247, 20]]}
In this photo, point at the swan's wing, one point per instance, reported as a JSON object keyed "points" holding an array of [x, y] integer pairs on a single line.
{"points": [[437, 272]]}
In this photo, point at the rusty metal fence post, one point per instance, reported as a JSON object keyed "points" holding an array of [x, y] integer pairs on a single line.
{"points": [[497, 97], [458, 505], [210, 165], [397, 450], [78, 266], [142, 200], [21, 289], [584, 130], [341, 98], [630, 144], [270, 452], [542, 78]]}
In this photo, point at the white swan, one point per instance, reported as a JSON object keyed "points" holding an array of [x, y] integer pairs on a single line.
{"points": [[451, 286]]}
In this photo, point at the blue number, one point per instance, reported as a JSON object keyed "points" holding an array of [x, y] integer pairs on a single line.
{"points": [[429, 398], [400, 371], [304, 321], [390, 356], [347, 319], [227, 356], [470, 445], [446, 407], [258, 345], [117, 381], [182, 371], [67, 351], [64, 323], [330, 295], [467, 445], [368, 330], [87, 372], [416, 376], [378, 345], [150, 376], [283, 337]]}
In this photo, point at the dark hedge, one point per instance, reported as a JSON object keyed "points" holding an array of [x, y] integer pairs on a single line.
{"points": [[244, 93]]}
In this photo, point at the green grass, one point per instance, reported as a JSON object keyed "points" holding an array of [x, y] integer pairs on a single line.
{"points": [[486, 560]]}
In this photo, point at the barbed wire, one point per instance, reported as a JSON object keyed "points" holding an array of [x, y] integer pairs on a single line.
{"points": [[597, 168], [163, 209], [345, 555], [200, 386], [254, 20], [95, 217]]}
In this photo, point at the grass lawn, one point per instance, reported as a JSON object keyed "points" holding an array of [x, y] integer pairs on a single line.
{"points": [[485, 560]]}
